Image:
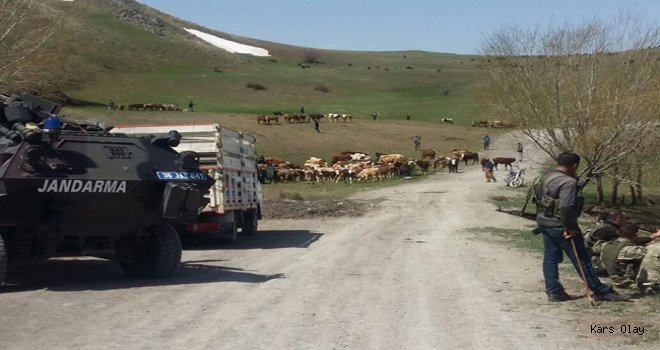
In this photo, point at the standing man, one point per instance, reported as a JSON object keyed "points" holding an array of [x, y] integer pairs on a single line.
{"points": [[519, 148], [191, 106], [374, 115], [111, 105], [417, 140], [486, 142], [316, 124], [302, 110], [558, 205]]}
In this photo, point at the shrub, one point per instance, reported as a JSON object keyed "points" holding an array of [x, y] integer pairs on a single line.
{"points": [[256, 86], [291, 195], [322, 88], [312, 56]]}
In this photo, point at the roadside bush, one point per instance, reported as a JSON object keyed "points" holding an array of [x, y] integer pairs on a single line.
{"points": [[255, 86], [312, 56], [322, 88], [291, 195]]}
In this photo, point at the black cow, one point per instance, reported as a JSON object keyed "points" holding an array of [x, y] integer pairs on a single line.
{"points": [[471, 155], [453, 165]]}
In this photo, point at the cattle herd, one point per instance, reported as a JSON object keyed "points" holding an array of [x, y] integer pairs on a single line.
{"points": [[493, 124], [352, 166], [154, 107], [270, 119]]}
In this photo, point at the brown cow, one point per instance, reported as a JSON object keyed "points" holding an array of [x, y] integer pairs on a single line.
{"points": [[503, 160], [391, 158], [458, 152], [428, 153]]}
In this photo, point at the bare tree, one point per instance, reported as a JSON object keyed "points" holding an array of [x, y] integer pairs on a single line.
{"points": [[592, 88], [26, 26], [312, 56]]}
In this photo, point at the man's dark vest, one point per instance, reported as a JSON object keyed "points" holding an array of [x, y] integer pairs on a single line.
{"points": [[545, 203], [610, 255]]}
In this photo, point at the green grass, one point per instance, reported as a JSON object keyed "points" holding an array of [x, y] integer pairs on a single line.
{"points": [[326, 190], [521, 238]]}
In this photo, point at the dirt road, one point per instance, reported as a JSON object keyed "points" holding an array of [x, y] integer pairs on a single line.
{"points": [[408, 275]]}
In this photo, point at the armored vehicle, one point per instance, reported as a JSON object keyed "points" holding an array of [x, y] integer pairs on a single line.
{"points": [[69, 189]]}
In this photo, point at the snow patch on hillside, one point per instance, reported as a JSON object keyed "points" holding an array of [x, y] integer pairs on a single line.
{"points": [[228, 45]]}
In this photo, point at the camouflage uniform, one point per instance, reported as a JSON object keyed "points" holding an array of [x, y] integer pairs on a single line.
{"points": [[649, 270], [622, 259], [603, 233], [595, 239]]}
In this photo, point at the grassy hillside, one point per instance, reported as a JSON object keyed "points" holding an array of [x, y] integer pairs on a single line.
{"points": [[119, 60]]}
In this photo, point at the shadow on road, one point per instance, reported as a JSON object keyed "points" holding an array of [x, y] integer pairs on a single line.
{"points": [[267, 239], [97, 274], [76, 274]]}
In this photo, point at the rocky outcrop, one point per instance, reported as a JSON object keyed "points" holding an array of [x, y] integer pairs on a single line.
{"points": [[145, 21]]}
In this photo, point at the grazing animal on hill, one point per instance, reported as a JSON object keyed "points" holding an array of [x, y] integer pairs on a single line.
{"points": [[447, 120], [481, 123], [503, 160], [135, 106], [334, 117]]}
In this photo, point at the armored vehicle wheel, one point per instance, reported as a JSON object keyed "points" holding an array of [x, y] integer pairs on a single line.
{"points": [[3, 260], [161, 254], [516, 182], [250, 222]]}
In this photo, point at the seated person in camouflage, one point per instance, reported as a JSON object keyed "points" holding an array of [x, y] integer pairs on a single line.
{"points": [[622, 257], [648, 279], [606, 231]]}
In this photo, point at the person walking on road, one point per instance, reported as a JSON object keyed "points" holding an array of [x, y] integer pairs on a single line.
{"points": [[519, 149], [316, 124], [486, 142], [488, 166]]}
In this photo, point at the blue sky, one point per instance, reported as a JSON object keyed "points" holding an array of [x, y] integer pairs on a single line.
{"points": [[455, 26]]}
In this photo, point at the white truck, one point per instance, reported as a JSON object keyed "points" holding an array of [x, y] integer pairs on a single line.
{"points": [[228, 156]]}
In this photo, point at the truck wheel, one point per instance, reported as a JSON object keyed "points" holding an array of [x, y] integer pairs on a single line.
{"points": [[3, 260], [228, 232], [161, 254], [250, 222]]}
